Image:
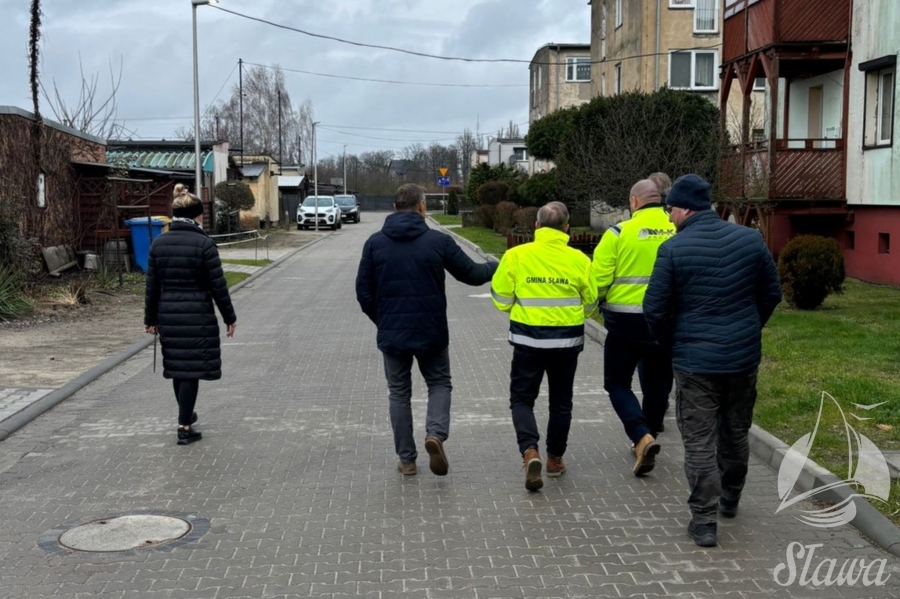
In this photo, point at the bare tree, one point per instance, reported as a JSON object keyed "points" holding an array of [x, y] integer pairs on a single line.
{"points": [[91, 112], [264, 91], [466, 145]]}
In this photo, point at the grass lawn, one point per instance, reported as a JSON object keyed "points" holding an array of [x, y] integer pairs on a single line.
{"points": [[248, 262], [489, 241], [847, 348], [447, 219], [233, 278]]}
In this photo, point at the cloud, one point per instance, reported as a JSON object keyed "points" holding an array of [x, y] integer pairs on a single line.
{"points": [[153, 41]]}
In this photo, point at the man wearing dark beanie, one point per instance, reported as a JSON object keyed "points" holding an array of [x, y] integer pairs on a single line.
{"points": [[714, 286]]}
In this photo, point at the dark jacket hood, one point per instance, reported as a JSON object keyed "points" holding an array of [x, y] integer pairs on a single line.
{"points": [[404, 226]]}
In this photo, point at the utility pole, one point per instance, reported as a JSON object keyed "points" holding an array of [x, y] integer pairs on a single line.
{"points": [[315, 173], [280, 136], [344, 164], [241, 102]]}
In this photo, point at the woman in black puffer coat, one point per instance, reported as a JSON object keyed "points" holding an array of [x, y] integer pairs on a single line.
{"points": [[184, 278]]}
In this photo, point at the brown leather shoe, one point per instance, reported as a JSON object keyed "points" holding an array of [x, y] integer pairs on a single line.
{"points": [[555, 466], [533, 467], [407, 468], [437, 458], [645, 455]]}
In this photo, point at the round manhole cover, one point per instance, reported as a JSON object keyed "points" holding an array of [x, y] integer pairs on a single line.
{"points": [[124, 533]]}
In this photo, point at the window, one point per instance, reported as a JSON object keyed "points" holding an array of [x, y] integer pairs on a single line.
{"points": [[759, 84], [759, 136], [540, 77], [706, 16], [850, 240], [618, 13], [693, 70], [602, 84], [578, 69], [681, 3], [881, 81], [534, 88], [884, 243], [520, 154], [619, 78]]}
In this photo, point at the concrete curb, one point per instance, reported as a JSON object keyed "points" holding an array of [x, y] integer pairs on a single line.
{"points": [[771, 451], [869, 521], [26, 415]]}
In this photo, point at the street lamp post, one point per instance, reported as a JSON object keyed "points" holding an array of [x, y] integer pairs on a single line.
{"points": [[344, 165], [315, 173], [198, 177]]}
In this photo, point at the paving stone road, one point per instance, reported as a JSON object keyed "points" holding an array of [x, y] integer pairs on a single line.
{"points": [[296, 477]]}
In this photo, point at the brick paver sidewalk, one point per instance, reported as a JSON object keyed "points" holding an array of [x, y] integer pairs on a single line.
{"points": [[296, 476]]}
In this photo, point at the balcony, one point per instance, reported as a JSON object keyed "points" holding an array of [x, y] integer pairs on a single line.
{"points": [[752, 25], [804, 169]]}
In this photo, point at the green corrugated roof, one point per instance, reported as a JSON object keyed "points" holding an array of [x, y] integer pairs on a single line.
{"points": [[160, 159]]}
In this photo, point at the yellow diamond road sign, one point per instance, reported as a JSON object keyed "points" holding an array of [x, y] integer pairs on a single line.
{"points": [[443, 172]]}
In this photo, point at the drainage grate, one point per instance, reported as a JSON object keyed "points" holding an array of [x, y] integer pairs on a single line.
{"points": [[124, 533]]}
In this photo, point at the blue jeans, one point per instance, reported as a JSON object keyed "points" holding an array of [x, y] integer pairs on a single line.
{"points": [[528, 368], [435, 369], [620, 359]]}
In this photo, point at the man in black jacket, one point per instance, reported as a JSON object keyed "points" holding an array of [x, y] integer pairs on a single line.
{"points": [[713, 288], [400, 287]]}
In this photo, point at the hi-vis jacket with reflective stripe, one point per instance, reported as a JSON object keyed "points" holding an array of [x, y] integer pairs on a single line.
{"points": [[546, 287], [623, 262]]}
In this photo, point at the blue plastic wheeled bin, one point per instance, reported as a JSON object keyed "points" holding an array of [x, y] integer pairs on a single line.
{"points": [[142, 235]]}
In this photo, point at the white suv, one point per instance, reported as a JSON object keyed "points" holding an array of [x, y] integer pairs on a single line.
{"points": [[329, 213]]}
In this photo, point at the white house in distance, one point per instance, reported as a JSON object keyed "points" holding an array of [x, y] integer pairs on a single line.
{"points": [[509, 151]]}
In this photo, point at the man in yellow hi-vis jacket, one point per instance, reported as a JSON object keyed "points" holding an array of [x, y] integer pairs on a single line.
{"points": [[621, 270], [547, 290]]}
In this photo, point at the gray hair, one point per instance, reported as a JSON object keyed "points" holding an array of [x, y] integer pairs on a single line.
{"points": [[409, 196], [663, 183], [554, 215]]}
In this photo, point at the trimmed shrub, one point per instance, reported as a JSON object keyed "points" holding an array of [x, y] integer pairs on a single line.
{"points": [[485, 215], [811, 268], [453, 203], [491, 194], [504, 218], [525, 219]]}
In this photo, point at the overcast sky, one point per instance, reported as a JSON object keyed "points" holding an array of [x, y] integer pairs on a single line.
{"points": [[153, 40]]}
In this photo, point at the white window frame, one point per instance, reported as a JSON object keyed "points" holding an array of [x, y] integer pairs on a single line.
{"points": [[694, 53], [572, 63], [619, 11], [680, 4], [715, 10], [879, 120], [873, 110], [759, 88]]}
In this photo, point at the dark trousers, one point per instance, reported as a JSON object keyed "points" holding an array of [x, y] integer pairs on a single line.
{"points": [[654, 363], [528, 368], [714, 414], [186, 395], [435, 369]]}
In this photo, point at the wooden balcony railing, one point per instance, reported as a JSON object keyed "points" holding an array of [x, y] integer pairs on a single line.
{"points": [[805, 169]]}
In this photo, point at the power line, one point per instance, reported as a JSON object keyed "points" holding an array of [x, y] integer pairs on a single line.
{"points": [[449, 58], [384, 138], [420, 83]]}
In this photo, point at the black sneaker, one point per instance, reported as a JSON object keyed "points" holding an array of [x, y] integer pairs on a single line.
{"points": [[703, 534], [188, 436], [728, 507]]}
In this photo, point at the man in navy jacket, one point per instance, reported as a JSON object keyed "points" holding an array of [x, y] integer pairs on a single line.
{"points": [[713, 288], [400, 287]]}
